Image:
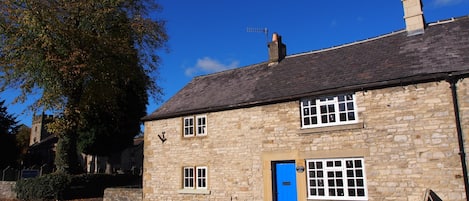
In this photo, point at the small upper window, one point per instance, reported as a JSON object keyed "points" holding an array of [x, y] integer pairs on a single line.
{"points": [[188, 126], [201, 125], [328, 111], [195, 126]]}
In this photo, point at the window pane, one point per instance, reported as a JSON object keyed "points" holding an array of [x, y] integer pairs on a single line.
{"points": [[306, 121], [332, 118], [351, 116], [358, 163], [323, 109], [314, 120], [331, 108], [342, 107], [331, 183], [349, 164], [358, 173], [339, 182], [343, 117], [324, 119], [338, 163], [351, 182], [338, 174], [313, 183], [360, 182], [341, 98], [321, 191], [311, 165], [306, 111], [319, 165], [350, 106], [361, 192], [329, 164], [313, 191], [340, 192], [320, 174], [351, 192]]}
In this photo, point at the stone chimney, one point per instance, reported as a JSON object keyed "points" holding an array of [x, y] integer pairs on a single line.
{"points": [[277, 50], [413, 16]]}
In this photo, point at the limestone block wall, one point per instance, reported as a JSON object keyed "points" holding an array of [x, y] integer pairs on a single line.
{"points": [[406, 135], [6, 190], [122, 194]]}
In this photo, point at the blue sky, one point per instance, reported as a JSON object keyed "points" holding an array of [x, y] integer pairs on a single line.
{"points": [[208, 36]]}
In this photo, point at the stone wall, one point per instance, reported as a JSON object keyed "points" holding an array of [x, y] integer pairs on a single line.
{"points": [[122, 194], [406, 135], [6, 190]]}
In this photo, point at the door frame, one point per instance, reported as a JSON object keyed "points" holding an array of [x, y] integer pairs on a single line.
{"points": [[274, 177], [272, 156]]}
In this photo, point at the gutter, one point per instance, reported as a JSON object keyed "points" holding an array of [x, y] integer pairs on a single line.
{"points": [[452, 81]]}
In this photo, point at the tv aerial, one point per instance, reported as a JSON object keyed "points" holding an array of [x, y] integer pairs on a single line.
{"points": [[259, 30]]}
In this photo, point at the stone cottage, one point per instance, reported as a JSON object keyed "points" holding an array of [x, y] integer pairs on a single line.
{"points": [[381, 119]]}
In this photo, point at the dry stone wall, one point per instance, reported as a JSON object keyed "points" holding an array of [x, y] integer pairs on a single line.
{"points": [[6, 190]]}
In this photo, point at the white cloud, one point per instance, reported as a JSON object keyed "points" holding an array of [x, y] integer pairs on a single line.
{"points": [[446, 2], [209, 65]]}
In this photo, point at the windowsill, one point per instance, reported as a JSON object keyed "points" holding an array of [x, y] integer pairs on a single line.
{"points": [[194, 191], [305, 131]]}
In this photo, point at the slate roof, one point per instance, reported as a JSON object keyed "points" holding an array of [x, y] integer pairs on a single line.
{"points": [[389, 60]]}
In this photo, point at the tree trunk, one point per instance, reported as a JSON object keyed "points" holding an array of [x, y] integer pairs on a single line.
{"points": [[66, 159], [109, 165], [66, 155]]}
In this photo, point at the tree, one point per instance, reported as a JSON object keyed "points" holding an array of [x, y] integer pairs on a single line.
{"points": [[22, 140], [8, 129], [105, 133], [75, 53]]}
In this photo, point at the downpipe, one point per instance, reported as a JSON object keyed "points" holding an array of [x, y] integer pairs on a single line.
{"points": [[452, 81]]}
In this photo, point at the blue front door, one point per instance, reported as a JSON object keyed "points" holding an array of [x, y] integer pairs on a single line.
{"points": [[285, 181]]}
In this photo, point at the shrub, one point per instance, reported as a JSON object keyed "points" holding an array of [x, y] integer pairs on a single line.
{"points": [[93, 185], [45, 187], [63, 186]]}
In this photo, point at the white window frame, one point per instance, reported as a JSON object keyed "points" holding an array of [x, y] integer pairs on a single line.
{"points": [[201, 126], [326, 174], [188, 176], [191, 126], [195, 177], [201, 180], [331, 108], [188, 126]]}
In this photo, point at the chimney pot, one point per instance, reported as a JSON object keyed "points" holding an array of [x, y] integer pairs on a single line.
{"points": [[274, 37]]}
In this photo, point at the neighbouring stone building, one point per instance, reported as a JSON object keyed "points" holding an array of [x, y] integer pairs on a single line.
{"points": [[41, 152], [381, 119]]}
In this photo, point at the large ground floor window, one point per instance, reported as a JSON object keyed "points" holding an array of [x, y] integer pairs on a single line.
{"points": [[336, 179]]}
